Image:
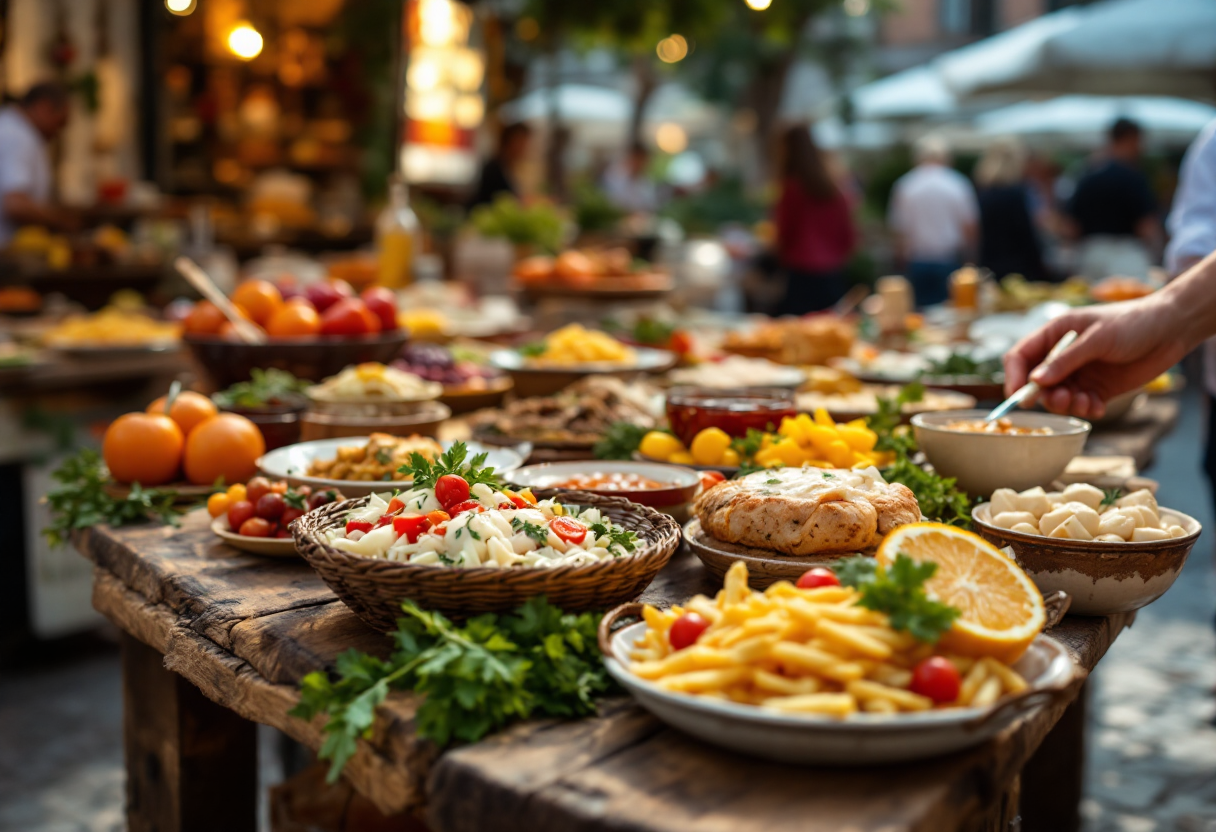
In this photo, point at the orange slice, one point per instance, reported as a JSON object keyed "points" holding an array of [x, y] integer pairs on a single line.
{"points": [[1002, 608]]}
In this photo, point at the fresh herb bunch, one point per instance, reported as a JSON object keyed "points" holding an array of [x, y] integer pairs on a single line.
{"points": [[452, 461], [938, 497], [1110, 496], [893, 436], [620, 441], [264, 387], [476, 678], [900, 593], [81, 500], [962, 364], [749, 445], [533, 349]]}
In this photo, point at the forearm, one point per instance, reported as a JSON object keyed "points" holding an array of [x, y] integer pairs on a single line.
{"points": [[1190, 302]]}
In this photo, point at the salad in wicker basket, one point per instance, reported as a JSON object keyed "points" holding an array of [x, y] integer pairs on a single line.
{"points": [[462, 542]]}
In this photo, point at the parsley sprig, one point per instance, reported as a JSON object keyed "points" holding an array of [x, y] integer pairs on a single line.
{"points": [[886, 421], [535, 531], [452, 461], [900, 593], [81, 500], [476, 678], [620, 441], [617, 536], [1110, 496]]}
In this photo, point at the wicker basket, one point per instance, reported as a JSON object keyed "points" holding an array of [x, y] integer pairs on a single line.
{"points": [[375, 588]]}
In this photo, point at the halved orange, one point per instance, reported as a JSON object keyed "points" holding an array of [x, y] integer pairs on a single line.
{"points": [[1002, 609]]}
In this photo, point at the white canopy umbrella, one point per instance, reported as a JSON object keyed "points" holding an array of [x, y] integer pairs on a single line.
{"points": [[1085, 118], [592, 105], [913, 93], [1129, 47]]}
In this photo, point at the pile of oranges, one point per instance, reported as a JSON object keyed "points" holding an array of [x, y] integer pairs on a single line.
{"points": [[193, 437]]}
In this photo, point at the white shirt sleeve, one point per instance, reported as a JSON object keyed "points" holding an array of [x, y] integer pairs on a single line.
{"points": [[17, 169], [1192, 222]]}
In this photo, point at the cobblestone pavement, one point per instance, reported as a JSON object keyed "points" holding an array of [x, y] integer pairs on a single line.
{"points": [[1152, 756]]}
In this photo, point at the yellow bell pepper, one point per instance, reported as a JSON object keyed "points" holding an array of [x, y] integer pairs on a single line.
{"points": [[840, 454], [822, 418], [859, 439]]}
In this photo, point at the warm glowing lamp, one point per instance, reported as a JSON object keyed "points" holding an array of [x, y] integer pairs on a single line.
{"points": [[181, 8], [758, 5], [245, 42], [671, 138]]}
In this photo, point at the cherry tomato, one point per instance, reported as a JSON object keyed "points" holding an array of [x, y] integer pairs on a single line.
{"points": [[568, 530], [291, 513], [349, 316], [256, 527], [279, 487], [518, 501], [819, 576], [711, 478], [411, 525], [384, 520], [686, 630], [936, 678], [321, 498], [680, 342], [383, 304], [255, 488], [437, 517], [450, 490], [238, 513], [395, 505], [467, 505], [358, 526], [270, 506]]}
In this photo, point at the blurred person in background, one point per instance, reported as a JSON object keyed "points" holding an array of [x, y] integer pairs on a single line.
{"points": [[628, 184], [26, 179], [498, 173], [1113, 210], [815, 234], [1009, 241], [934, 219]]}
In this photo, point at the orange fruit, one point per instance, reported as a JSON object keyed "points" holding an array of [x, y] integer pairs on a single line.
{"points": [[294, 320], [204, 319], [143, 447], [1002, 609], [189, 409], [260, 298], [225, 446]]}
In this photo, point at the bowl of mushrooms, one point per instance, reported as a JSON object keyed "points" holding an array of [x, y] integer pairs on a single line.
{"points": [[1111, 552]]}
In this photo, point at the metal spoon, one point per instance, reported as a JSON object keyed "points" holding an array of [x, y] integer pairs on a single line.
{"points": [[1030, 389]]}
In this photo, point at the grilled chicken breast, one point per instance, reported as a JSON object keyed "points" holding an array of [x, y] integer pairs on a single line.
{"points": [[806, 511]]}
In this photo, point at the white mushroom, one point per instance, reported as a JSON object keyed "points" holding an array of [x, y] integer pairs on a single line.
{"points": [[1072, 529], [1035, 501], [1009, 519], [1081, 492], [1146, 534]]}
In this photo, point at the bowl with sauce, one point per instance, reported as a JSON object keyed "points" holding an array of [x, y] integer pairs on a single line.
{"points": [[735, 410], [1021, 451], [667, 488]]}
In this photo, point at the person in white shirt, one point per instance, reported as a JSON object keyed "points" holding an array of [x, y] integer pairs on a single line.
{"points": [[26, 182], [933, 216], [628, 186]]}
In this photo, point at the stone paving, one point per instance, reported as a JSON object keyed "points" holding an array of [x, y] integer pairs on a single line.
{"points": [[1152, 755]]}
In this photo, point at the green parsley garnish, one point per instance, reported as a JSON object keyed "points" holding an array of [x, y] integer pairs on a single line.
{"points": [[1110, 496], [534, 349], [828, 476], [893, 436], [900, 593], [537, 532], [81, 499], [773, 481], [617, 536], [452, 461], [620, 441], [938, 496], [748, 446], [536, 661]]}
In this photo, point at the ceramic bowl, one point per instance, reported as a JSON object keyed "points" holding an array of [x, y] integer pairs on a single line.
{"points": [[1102, 578], [228, 362], [546, 380], [860, 739], [984, 462], [681, 485]]}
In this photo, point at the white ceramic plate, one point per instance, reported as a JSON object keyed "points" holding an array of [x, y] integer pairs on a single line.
{"points": [[648, 361], [291, 462], [275, 547], [861, 739]]}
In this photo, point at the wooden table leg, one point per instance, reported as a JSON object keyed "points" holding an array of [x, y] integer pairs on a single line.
{"points": [[191, 764], [1054, 778]]}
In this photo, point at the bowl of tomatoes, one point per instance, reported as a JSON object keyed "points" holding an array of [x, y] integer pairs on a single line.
{"points": [[311, 333], [255, 516]]}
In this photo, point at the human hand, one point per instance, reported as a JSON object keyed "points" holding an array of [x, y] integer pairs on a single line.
{"points": [[1121, 347]]}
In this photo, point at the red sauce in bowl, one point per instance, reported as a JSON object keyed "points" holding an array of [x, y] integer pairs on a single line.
{"points": [[692, 409]]}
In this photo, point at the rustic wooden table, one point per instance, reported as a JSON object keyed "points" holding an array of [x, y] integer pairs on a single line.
{"points": [[215, 640]]}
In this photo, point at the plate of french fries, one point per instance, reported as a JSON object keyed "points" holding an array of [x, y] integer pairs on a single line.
{"points": [[808, 676]]}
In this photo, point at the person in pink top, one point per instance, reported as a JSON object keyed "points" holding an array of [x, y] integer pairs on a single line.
{"points": [[815, 230]]}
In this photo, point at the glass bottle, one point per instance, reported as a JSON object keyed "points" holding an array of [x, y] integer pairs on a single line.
{"points": [[396, 237]]}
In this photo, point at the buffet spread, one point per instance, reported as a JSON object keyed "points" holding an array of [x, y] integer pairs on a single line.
{"points": [[888, 560]]}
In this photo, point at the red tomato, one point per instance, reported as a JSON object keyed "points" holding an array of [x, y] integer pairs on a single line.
{"points": [[349, 316], [328, 292], [680, 342], [819, 576], [256, 527], [568, 530], [411, 525], [711, 478], [395, 505], [384, 520], [238, 513], [358, 526], [936, 678], [283, 533], [519, 502], [686, 630], [450, 490], [383, 304], [291, 513], [467, 505], [255, 488], [270, 506], [437, 517]]}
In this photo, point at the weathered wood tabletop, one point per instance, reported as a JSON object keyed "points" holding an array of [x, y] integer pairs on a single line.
{"points": [[244, 629]]}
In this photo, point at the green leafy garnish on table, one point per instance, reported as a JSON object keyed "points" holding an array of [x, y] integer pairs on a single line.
{"points": [[536, 661], [620, 441], [938, 496], [81, 500], [533, 349], [962, 364], [749, 445], [618, 537], [455, 460], [886, 421], [899, 592], [264, 387]]}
